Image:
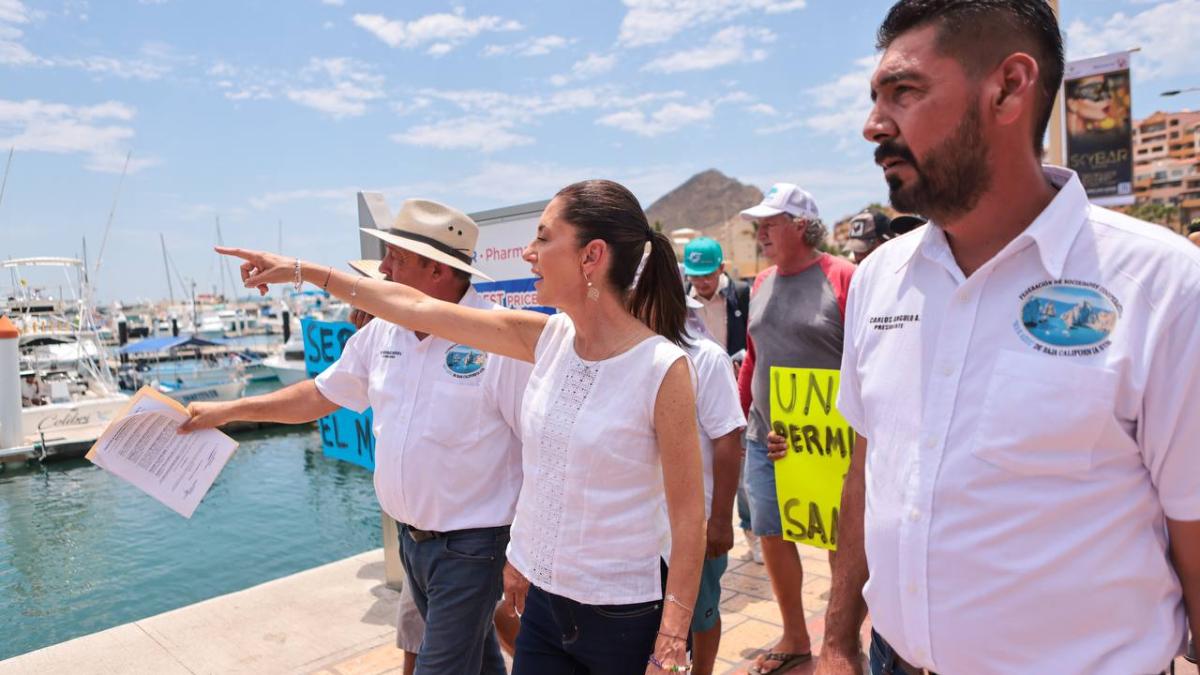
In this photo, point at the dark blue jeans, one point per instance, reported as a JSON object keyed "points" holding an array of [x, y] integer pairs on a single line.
{"points": [[562, 637], [456, 582], [883, 658]]}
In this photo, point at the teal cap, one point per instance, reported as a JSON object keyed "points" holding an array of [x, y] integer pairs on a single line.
{"points": [[702, 257]]}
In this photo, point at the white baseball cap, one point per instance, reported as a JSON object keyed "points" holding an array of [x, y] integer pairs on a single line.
{"points": [[784, 198]]}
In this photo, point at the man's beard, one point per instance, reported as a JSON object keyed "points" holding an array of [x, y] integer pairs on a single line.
{"points": [[951, 177]]}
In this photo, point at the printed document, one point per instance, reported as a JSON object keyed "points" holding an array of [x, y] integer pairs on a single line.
{"points": [[143, 447]]}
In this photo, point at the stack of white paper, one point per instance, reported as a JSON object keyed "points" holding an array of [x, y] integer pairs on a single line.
{"points": [[143, 446]]}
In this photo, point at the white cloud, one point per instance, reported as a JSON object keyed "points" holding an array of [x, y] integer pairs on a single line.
{"points": [[592, 65], [14, 11], [1166, 32], [527, 107], [851, 88], [762, 109], [333, 3], [125, 69], [728, 46], [491, 184], [670, 117], [12, 52], [842, 104], [272, 199], [95, 131], [443, 32], [536, 46], [465, 133], [490, 121], [345, 86], [655, 21]]}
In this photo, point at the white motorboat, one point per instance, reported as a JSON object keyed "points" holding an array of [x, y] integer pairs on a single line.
{"points": [[288, 365], [69, 394]]}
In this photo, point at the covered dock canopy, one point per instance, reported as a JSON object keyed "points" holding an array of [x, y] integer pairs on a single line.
{"points": [[167, 344]]}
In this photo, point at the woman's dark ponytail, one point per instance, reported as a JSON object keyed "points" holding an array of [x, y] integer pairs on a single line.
{"points": [[605, 210], [658, 298]]}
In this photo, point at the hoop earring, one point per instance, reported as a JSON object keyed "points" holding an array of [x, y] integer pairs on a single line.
{"points": [[593, 293]]}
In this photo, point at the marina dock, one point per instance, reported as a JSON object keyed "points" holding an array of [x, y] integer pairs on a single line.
{"points": [[74, 449]]}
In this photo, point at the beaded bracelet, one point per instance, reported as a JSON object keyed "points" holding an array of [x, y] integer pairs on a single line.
{"points": [[297, 282], [670, 669], [327, 275]]}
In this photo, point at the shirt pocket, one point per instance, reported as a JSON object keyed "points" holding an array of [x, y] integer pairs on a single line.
{"points": [[455, 415], [1043, 417]]}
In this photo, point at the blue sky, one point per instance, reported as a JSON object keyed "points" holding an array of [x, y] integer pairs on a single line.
{"points": [[258, 112]]}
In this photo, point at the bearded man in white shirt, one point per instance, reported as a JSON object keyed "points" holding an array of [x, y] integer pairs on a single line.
{"points": [[446, 423], [1026, 372]]}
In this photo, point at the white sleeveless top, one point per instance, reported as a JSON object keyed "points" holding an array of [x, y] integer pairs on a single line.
{"points": [[591, 517]]}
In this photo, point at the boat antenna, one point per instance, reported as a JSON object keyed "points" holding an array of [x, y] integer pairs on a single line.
{"points": [[111, 213]]}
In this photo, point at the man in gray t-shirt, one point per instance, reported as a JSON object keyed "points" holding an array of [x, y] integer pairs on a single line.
{"points": [[796, 312]]}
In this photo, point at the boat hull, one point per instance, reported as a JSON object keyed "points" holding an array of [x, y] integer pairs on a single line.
{"points": [[288, 372], [224, 391], [77, 421]]}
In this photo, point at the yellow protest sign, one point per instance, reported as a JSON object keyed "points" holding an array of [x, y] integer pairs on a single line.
{"points": [[819, 440]]}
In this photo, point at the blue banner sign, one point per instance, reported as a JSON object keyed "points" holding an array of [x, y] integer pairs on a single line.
{"points": [[345, 435]]}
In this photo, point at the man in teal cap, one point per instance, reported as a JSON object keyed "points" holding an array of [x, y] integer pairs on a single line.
{"points": [[726, 302], [725, 308]]}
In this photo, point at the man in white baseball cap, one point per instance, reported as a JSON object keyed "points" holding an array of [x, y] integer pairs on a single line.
{"points": [[448, 449], [796, 313], [784, 198]]}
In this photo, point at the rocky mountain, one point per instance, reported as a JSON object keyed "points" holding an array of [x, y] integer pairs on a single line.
{"points": [[708, 199]]}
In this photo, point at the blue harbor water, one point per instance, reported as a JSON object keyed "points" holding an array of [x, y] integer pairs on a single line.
{"points": [[81, 551]]}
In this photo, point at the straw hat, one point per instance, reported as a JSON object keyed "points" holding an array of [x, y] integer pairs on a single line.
{"points": [[432, 230]]}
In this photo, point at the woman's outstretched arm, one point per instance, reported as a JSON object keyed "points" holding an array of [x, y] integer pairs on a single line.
{"points": [[513, 333]]}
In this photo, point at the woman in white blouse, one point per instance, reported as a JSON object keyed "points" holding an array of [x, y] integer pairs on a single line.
{"points": [[609, 433]]}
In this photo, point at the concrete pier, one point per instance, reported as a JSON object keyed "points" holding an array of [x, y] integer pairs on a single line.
{"points": [[339, 620], [306, 622]]}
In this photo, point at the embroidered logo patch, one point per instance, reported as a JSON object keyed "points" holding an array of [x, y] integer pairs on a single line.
{"points": [[1068, 317], [465, 362]]}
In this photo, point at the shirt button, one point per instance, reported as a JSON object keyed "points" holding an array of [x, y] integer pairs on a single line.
{"points": [[914, 515], [912, 589], [948, 369], [930, 443]]}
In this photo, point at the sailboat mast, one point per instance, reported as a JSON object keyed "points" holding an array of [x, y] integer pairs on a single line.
{"points": [[7, 166], [167, 269], [111, 213]]}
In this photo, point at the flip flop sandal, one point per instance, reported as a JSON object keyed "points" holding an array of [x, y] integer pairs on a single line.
{"points": [[786, 660]]}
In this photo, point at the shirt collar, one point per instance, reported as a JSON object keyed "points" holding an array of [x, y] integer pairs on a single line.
{"points": [[1053, 232]]}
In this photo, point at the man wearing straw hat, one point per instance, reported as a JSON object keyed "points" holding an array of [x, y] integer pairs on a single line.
{"points": [[446, 422]]}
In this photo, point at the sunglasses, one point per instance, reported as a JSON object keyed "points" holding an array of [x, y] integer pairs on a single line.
{"points": [[1096, 91]]}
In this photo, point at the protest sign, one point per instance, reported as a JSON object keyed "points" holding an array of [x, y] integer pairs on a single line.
{"points": [[819, 441], [1099, 126], [345, 434]]}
